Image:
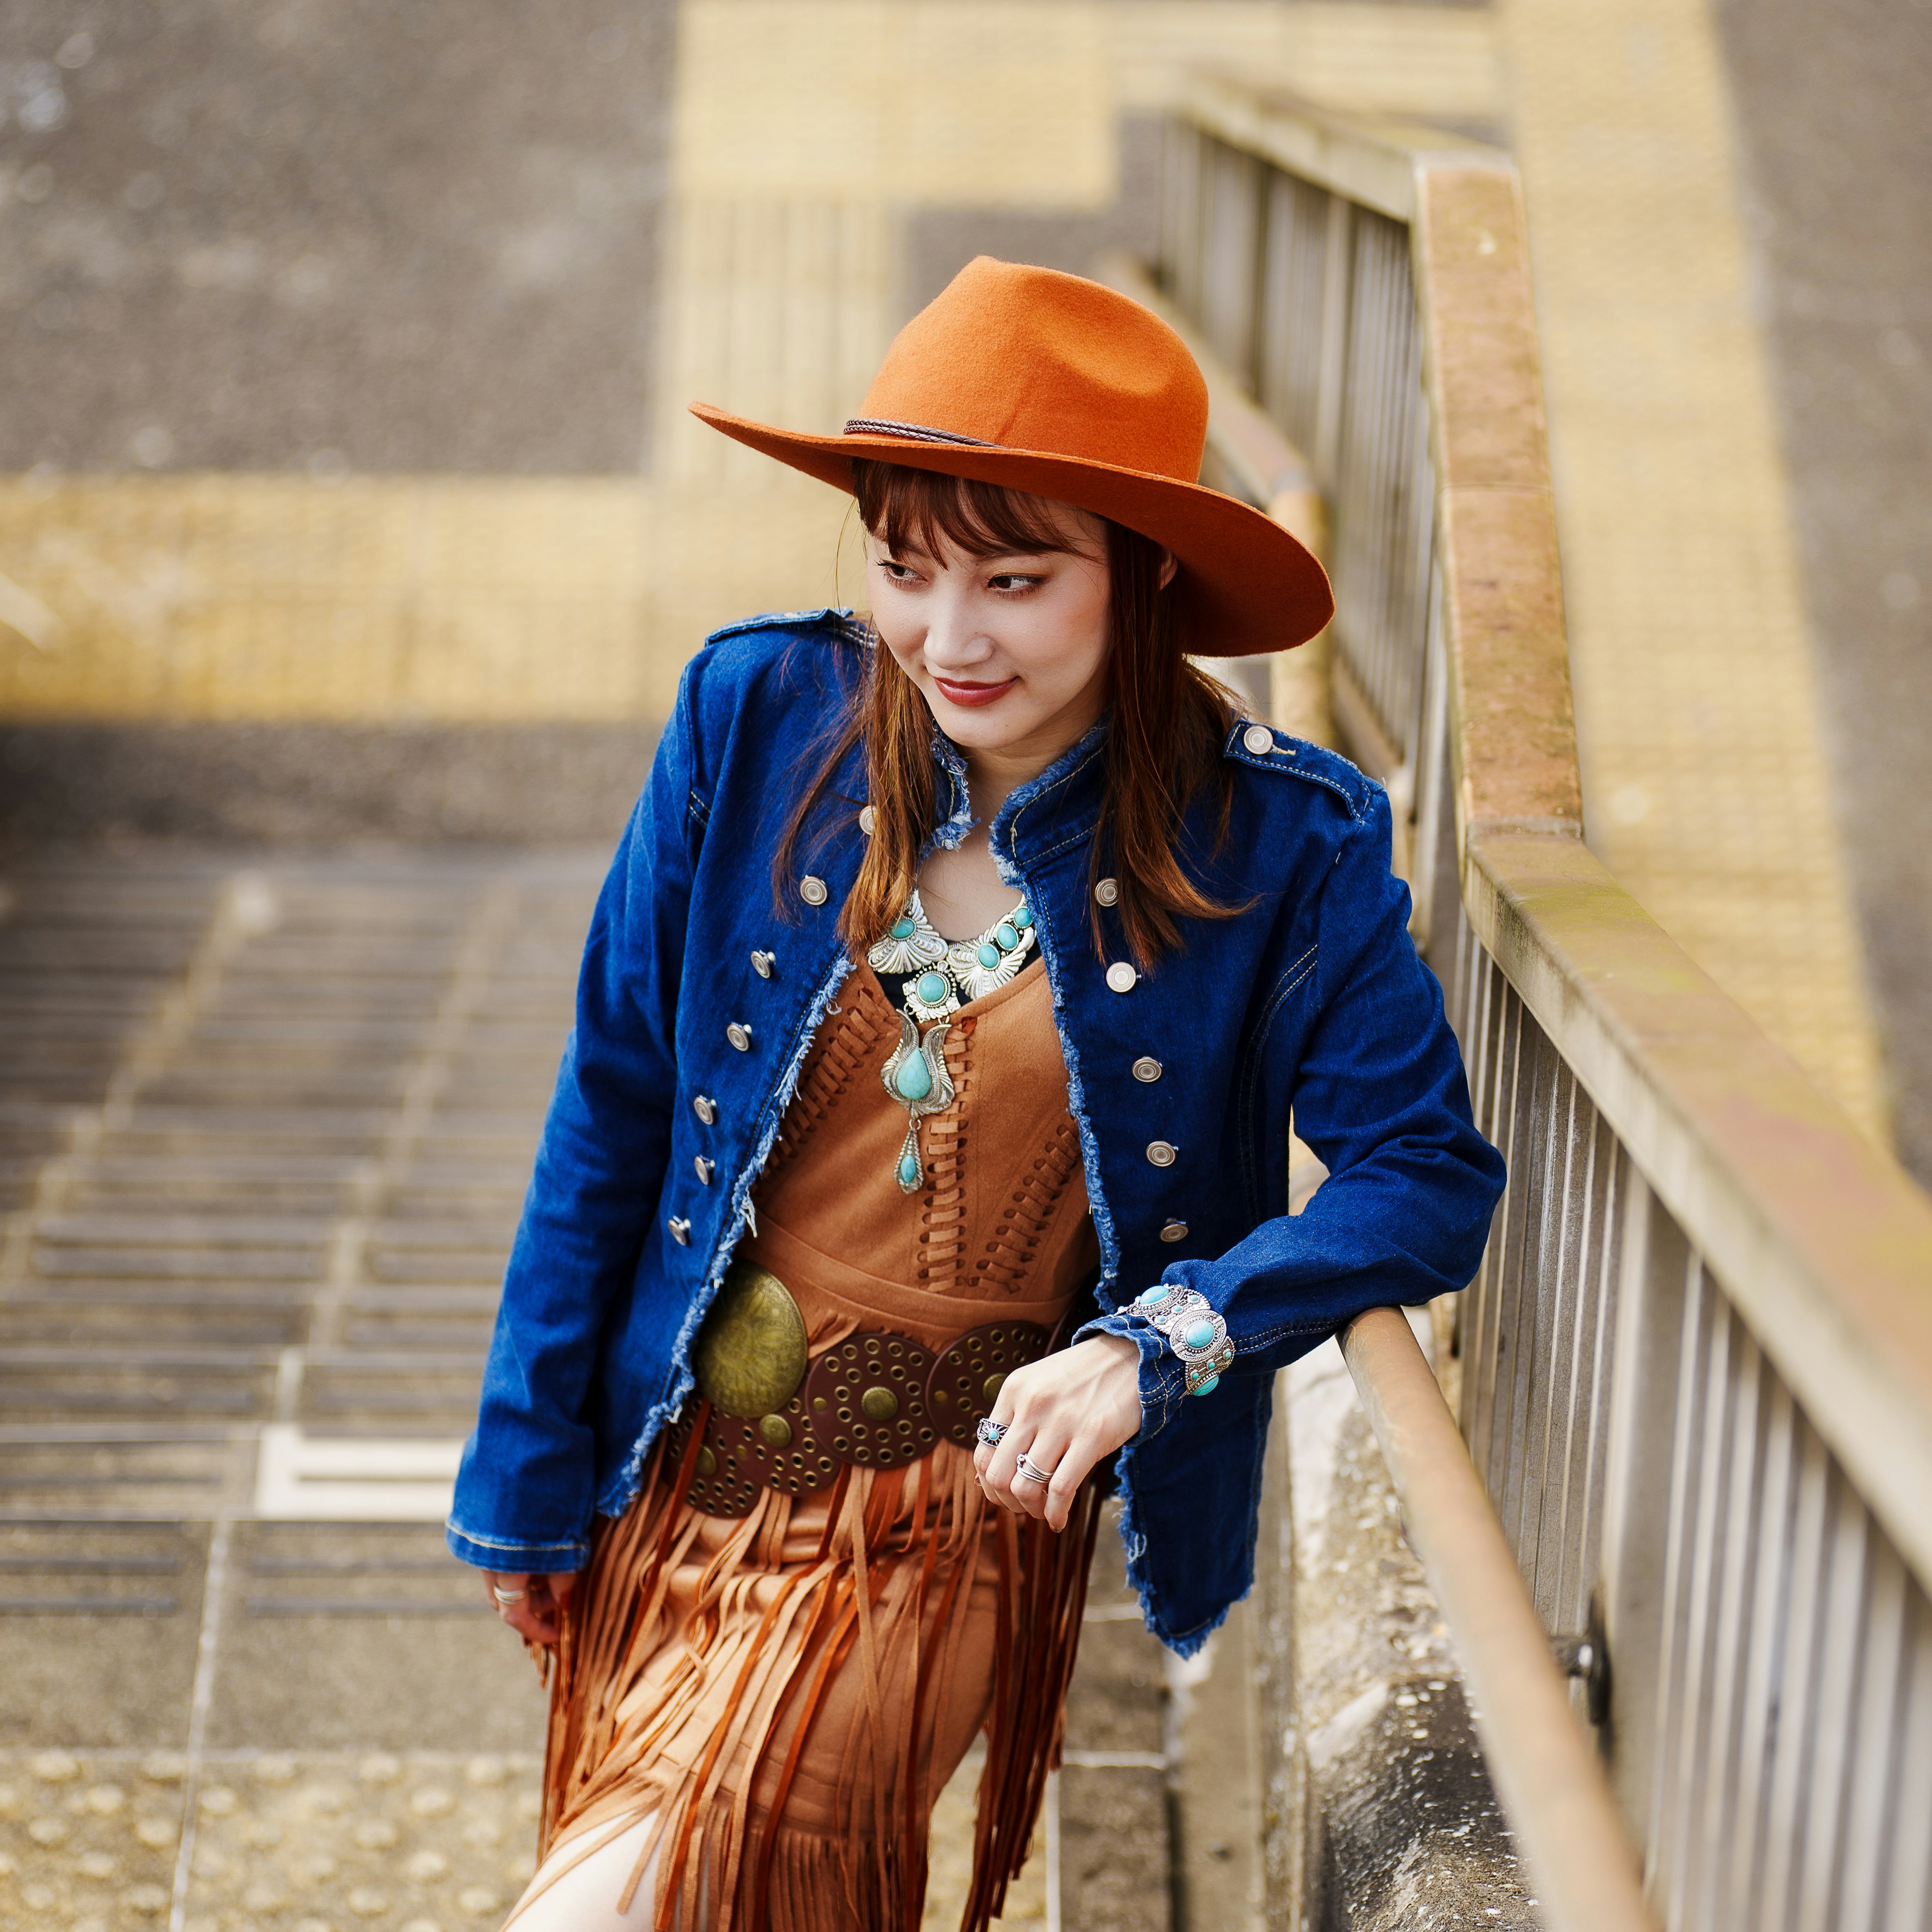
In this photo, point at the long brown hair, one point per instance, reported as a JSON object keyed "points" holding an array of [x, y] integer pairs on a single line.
{"points": [[1163, 746]]}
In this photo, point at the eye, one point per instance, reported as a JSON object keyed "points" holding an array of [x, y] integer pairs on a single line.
{"points": [[1013, 583], [897, 572]]}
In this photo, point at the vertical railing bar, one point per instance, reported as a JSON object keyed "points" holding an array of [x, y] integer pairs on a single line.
{"points": [[1691, 1687], [1519, 1317], [1334, 372], [1772, 1584], [1575, 1412], [1553, 1308], [1515, 1280], [1878, 1740], [1505, 1244], [1840, 1660], [1714, 1795], [1776, 1879], [1680, 1531], [1580, 1525], [1907, 1901], [1603, 1378]]}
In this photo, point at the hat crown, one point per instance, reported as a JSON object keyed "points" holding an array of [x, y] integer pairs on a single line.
{"points": [[1029, 358]]}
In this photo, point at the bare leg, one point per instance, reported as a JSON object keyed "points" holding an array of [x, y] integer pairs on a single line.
{"points": [[578, 1891]]}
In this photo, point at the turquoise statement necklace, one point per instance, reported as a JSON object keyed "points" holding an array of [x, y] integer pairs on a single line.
{"points": [[940, 977]]}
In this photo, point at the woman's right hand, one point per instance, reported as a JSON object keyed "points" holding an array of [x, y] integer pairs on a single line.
{"points": [[536, 1615]]}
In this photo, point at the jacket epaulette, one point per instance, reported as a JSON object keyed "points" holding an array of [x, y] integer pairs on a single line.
{"points": [[1300, 758], [830, 616]]}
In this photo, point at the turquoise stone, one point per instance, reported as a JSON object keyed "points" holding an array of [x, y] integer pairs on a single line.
{"points": [[1022, 919], [930, 988], [988, 955], [903, 928], [1148, 1296], [1005, 938], [913, 1080], [1198, 1334], [1207, 1385], [908, 1170]]}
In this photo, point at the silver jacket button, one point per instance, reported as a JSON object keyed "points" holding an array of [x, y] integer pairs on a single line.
{"points": [[868, 819], [680, 1230], [1259, 739], [811, 890], [1120, 976], [1147, 1069], [1107, 891], [763, 963], [1161, 1153], [706, 1168], [739, 1035], [705, 1108], [1174, 1231]]}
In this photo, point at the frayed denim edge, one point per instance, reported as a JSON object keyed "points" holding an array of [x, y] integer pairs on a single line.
{"points": [[619, 1496], [950, 833]]}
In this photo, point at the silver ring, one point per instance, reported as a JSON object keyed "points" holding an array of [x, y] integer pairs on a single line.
{"points": [[989, 1431], [508, 1596], [1032, 1472]]}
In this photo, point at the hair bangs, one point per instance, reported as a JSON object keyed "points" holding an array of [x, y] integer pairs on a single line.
{"points": [[926, 511]]}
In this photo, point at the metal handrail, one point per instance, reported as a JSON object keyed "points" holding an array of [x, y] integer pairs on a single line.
{"points": [[1685, 1208], [1546, 1774]]}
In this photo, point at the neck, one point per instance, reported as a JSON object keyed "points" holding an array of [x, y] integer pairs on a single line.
{"points": [[994, 774]]}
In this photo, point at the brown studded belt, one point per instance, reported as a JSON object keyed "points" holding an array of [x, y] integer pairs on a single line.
{"points": [[777, 1419]]}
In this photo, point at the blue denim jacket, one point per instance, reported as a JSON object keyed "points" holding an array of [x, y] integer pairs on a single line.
{"points": [[684, 1056]]}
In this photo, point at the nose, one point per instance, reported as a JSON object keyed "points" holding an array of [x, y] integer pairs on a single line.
{"points": [[955, 639]]}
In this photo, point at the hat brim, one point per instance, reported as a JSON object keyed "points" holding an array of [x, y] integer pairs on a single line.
{"points": [[1249, 586]]}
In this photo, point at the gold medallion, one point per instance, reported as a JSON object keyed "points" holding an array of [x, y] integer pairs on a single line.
{"points": [[750, 1353]]}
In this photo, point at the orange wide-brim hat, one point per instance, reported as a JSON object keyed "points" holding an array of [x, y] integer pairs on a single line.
{"points": [[1056, 386]]}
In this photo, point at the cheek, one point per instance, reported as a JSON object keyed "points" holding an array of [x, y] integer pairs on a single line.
{"points": [[1071, 643]]}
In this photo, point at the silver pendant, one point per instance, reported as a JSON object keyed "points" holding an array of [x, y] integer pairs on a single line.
{"points": [[926, 1088]]}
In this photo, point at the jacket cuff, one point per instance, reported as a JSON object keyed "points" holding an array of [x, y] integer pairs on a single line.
{"points": [[1163, 1379], [516, 1559]]}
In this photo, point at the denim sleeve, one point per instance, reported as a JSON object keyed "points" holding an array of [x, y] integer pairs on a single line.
{"points": [[524, 1490], [1380, 1094]]}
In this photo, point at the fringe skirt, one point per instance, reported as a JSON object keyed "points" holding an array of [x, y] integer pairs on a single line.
{"points": [[788, 1692]]}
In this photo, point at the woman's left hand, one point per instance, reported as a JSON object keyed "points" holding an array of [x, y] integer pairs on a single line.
{"points": [[1063, 1413]]}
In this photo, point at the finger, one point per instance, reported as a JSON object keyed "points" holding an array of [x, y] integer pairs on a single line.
{"points": [[1072, 1470], [998, 1479], [1044, 1453], [526, 1615]]}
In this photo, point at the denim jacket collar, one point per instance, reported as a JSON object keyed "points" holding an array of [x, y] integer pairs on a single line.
{"points": [[1067, 794]]}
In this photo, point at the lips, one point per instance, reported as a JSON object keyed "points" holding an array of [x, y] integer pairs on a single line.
{"points": [[972, 696]]}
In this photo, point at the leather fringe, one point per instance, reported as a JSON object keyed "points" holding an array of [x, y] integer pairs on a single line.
{"points": [[882, 1595]]}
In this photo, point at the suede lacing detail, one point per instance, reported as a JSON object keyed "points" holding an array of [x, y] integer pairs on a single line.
{"points": [[1008, 1259], [942, 1241], [846, 1051]]}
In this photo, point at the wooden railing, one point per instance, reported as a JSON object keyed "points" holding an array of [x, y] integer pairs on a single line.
{"points": [[1695, 1370]]}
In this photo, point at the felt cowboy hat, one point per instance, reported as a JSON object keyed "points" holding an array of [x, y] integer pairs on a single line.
{"points": [[1051, 384]]}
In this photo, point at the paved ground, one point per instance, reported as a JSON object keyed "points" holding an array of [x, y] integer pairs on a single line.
{"points": [[419, 236], [264, 1128], [1838, 152]]}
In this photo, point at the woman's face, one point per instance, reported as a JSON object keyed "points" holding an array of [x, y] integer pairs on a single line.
{"points": [[1010, 651]]}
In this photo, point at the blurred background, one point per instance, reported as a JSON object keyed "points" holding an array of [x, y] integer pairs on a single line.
{"points": [[353, 536]]}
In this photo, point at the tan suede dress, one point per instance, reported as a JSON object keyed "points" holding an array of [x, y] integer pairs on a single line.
{"points": [[786, 1693]]}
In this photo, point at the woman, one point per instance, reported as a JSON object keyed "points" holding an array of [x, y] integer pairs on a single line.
{"points": [[917, 1162]]}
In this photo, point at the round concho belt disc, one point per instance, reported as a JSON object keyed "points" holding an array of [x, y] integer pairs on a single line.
{"points": [[751, 1352]]}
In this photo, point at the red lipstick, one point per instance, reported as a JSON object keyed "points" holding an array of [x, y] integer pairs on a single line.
{"points": [[972, 696]]}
